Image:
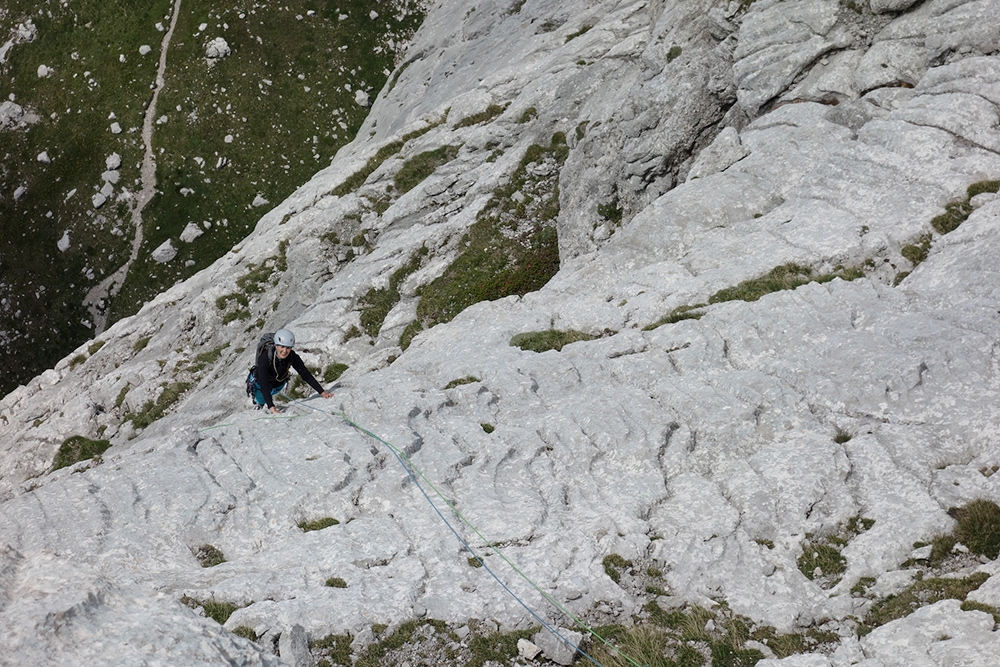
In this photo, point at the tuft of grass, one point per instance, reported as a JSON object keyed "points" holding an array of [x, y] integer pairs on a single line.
{"points": [[678, 314], [979, 527], [529, 114], [317, 524], [246, 632], [784, 277], [487, 428], [613, 566], [957, 212], [141, 344], [920, 594], [841, 436], [583, 30], [917, 252], [822, 558], [333, 372], [551, 339], [209, 556], [422, 165], [335, 582], [78, 448], [497, 647], [673, 53], [468, 379], [335, 648], [206, 358], [971, 605], [484, 116]]}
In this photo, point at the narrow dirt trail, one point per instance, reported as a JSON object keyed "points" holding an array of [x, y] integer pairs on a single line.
{"points": [[96, 300]]}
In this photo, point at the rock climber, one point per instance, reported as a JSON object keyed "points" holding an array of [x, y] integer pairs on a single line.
{"points": [[270, 373]]}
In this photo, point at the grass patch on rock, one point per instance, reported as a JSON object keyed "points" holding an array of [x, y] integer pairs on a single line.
{"points": [[216, 610], [317, 524], [957, 212], [209, 556], [512, 248], [484, 116], [821, 559], [422, 165], [154, 410], [78, 448], [377, 302], [784, 277], [552, 339], [678, 314]]}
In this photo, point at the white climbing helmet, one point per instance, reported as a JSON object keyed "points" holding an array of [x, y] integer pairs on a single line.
{"points": [[284, 337]]}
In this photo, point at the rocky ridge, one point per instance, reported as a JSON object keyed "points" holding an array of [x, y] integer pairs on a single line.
{"points": [[706, 144]]}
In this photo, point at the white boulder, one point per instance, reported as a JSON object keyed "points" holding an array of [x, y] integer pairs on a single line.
{"points": [[164, 253]]}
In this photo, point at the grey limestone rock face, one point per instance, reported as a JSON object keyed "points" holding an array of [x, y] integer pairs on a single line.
{"points": [[710, 445]]}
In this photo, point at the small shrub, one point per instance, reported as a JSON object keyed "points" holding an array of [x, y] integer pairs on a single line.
{"points": [[841, 436], [78, 448], [318, 524], [552, 339], [336, 582], [209, 556], [673, 53]]}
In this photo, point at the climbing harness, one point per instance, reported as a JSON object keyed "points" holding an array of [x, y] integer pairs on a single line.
{"points": [[413, 472]]}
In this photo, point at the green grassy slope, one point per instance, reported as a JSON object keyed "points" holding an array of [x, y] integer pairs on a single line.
{"points": [[269, 116]]}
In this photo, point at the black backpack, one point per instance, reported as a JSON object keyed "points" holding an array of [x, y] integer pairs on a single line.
{"points": [[266, 341]]}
